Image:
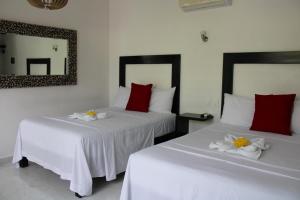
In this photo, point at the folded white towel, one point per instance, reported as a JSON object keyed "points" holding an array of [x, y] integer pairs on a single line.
{"points": [[102, 115], [254, 150], [85, 117]]}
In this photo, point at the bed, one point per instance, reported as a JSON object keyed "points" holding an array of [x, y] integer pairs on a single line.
{"points": [[186, 168], [78, 151]]}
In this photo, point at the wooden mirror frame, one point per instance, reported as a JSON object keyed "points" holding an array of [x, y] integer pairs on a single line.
{"points": [[13, 81]]}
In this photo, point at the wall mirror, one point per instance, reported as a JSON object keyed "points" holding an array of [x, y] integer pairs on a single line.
{"points": [[34, 55]]}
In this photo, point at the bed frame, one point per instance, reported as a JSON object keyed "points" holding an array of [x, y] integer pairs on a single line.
{"points": [[284, 57], [174, 60]]}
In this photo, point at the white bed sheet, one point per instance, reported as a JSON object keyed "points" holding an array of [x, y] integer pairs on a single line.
{"points": [[186, 169], [79, 150]]}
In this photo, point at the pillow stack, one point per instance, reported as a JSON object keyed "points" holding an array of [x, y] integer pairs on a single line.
{"points": [[267, 113], [144, 98]]}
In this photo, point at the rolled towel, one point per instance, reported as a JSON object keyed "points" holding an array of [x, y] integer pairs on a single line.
{"points": [[102, 115], [74, 116], [82, 116], [89, 116], [221, 146], [252, 148]]}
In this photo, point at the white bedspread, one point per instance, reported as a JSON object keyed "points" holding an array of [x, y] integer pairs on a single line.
{"points": [[79, 150], [186, 169]]}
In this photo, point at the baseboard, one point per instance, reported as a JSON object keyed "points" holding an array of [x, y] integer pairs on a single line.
{"points": [[5, 160]]}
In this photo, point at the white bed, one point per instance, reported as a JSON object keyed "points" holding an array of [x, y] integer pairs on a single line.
{"points": [[185, 168], [79, 150]]}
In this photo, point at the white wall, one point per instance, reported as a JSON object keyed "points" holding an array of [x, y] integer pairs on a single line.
{"points": [[140, 27], [91, 21]]}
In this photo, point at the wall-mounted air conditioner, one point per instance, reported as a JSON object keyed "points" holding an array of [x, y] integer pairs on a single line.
{"points": [[188, 5]]}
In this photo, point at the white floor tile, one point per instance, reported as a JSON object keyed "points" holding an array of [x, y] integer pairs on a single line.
{"points": [[37, 183]]}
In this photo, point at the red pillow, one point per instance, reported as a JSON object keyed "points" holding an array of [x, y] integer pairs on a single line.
{"points": [[139, 99], [273, 113]]}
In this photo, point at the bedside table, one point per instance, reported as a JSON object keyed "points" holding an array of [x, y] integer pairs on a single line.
{"points": [[182, 122]]}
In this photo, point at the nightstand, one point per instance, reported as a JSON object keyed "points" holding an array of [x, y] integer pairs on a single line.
{"points": [[182, 122]]}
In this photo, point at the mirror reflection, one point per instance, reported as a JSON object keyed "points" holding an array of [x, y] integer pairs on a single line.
{"points": [[30, 55]]}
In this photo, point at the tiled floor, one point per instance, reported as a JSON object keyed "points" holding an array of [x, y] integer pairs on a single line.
{"points": [[37, 183]]}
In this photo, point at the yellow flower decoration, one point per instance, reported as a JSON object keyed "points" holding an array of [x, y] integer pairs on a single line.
{"points": [[241, 142], [91, 113]]}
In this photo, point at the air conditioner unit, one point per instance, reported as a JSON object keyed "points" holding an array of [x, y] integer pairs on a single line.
{"points": [[188, 5]]}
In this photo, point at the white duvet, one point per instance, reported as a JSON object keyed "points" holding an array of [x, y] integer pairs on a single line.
{"points": [[186, 169], [79, 150]]}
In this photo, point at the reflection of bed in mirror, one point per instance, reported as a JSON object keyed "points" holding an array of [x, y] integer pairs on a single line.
{"points": [[21, 48], [79, 151], [42, 66], [186, 168]]}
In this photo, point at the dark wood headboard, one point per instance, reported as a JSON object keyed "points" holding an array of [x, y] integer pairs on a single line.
{"points": [[287, 57], [174, 60]]}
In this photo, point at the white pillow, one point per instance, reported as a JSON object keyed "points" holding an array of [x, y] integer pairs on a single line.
{"points": [[162, 100], [238, 110], [296, 118], [122, 97]]}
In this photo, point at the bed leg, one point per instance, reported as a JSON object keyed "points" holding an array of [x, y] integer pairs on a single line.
{"points": [[23, 163], [78, 195]]}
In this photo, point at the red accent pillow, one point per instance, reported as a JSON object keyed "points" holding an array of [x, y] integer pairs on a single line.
{"points": [[273, 113], [140, 96]]}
